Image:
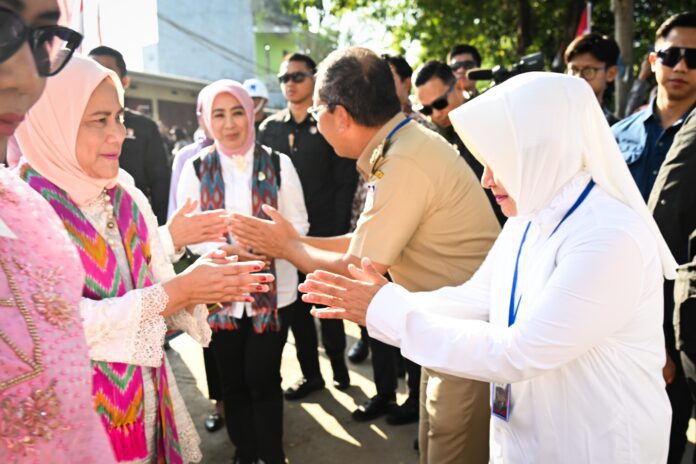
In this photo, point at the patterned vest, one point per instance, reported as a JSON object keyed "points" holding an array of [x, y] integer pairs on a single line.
{"points": [[264, 190]]}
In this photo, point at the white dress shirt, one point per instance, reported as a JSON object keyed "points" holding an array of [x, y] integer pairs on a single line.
{"points": [[584, 357], [238, 199]]}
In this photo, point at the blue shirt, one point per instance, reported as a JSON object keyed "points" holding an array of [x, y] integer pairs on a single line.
{"points": [[644, 145]]}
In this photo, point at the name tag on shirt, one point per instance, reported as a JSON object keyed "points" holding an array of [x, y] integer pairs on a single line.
{"points": [[500, 401]]}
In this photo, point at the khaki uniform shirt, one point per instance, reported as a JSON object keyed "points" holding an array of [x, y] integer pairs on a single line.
{"points": [[426, 216]]}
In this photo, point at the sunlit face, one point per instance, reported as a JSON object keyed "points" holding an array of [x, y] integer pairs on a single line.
{"points": [[20, 83], [229, 122], [489, 181], [327, 124], [297, 92], [432, 90], [678, 82], [101, 133], [587, 64]]}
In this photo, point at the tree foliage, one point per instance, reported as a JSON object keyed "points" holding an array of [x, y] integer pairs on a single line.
{"points": [[502, 30]]}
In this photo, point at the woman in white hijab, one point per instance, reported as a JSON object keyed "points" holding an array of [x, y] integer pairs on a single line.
{"points": [[564, 317]]}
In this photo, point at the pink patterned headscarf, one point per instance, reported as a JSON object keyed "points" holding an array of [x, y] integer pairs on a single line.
{"points": [[235, 89], [48, 136]]}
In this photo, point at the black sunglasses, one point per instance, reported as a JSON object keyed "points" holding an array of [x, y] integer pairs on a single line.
{"points": [[672, 55], [439, 104], [466, 64], [52, 46], [296, 77]]}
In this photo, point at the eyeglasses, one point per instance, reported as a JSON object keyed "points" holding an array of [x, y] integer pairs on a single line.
{"points": [[51, 46], [315, 110], [466, 64], [439, 104], [588, 72], [672, 55], [297, 77]]}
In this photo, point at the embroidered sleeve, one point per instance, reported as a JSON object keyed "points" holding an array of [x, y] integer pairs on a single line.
{"points": [[196, 324], [149, 340], [127, 329]]}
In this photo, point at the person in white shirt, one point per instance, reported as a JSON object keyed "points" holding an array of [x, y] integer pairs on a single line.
{"points": [[564, 317], [239, 175]]}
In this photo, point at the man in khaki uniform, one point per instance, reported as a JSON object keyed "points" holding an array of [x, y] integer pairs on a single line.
{"points": [[426, 221]]}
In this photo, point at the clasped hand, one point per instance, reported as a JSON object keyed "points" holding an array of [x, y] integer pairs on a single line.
{"points": [[216, 277], [270, 237]]}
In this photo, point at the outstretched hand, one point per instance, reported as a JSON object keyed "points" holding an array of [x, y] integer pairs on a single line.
{"points": [[267, 237], [188, 227], [345, 298]]}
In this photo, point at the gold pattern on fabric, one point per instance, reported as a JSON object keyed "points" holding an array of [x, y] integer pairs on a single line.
{"points": [[24, 422]]}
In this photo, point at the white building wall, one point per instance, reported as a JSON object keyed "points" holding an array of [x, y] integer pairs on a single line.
{"points": [[204, 39]]}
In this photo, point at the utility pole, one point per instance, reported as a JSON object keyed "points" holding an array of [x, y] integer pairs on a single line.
{"points": [[623, 25]]}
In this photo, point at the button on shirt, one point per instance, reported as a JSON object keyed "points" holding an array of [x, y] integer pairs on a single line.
{"points": [[644, 145], [328, 181]]}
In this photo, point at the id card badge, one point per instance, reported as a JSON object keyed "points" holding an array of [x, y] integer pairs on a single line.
{"points": [[500, 401]]}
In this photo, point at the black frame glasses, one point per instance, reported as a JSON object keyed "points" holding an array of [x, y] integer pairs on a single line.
{"points": [[297, 77], [51, 46], [672, 56], [439, 103]]}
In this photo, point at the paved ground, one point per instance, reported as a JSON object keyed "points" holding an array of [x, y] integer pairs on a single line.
{"points": [[318, 430]]}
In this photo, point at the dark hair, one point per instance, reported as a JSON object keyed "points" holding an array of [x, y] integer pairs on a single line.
{"points": [[683, 19], [432, 69], [460, 49], [360, 81], [401, 66], [602, 47], [115, 54], [179, 133], [311, 65]]}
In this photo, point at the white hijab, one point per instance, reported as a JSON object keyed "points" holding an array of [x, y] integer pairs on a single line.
{"points": [[537, 131]]}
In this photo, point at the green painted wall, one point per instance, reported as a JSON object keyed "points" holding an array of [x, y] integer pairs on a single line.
{"points": [[279, 45]]}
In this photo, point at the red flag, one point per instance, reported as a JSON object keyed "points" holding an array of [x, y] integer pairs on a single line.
{"points": [[585, 24]]}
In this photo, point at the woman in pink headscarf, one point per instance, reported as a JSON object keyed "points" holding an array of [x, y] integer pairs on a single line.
{"points": [[241, 176], [71, 141]]}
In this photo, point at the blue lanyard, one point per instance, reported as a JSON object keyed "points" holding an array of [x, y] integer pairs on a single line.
{"points": [[396, 129], [512, 311]]}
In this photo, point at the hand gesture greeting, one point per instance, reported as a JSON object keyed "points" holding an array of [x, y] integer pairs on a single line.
{"points": [[346, 298]]}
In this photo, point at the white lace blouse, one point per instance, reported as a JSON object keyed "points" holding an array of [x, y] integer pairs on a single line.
{"points": [[129, 329]]}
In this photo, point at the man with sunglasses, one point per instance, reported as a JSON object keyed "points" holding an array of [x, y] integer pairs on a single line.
{"points": [[593, 57], [462, 58], [328, 183], [436, 89], [645, 138]]}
